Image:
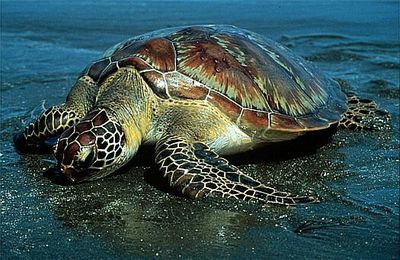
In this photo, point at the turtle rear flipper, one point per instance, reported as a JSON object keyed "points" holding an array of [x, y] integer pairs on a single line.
{"points": [[197, 171], [364, 114]]}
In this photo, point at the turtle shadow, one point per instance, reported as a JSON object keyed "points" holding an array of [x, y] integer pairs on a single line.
{"points": [[305, 145]]}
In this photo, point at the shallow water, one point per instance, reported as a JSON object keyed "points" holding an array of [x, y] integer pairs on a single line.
{"points": [[44, 46]]}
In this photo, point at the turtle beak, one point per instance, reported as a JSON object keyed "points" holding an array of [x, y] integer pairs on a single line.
{"points": [[61, 175], [69, 175]]}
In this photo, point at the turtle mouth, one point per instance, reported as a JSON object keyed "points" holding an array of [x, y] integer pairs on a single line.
{"points": [[70, 175], [67, 176], [64, 175]]}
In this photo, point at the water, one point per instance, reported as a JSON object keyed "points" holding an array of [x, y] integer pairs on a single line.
{"points": [[44, 46]]}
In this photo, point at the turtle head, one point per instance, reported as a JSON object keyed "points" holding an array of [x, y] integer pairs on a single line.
{"points": [[91, 149]]}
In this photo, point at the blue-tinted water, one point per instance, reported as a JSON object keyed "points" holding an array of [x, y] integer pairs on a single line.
{"points": [[44, 46]]}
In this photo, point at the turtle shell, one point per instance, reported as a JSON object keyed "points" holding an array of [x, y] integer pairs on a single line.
{"points": [[256, 82]]}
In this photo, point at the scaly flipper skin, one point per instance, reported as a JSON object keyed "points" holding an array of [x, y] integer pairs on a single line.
{"points": [[364, 114], [197, 171], [53, 121], [57, 119]]}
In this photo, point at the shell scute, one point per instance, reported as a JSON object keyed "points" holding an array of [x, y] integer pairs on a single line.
{"points": [[279, 79], [226, 105], [97, 68], [183, 87], [158, 52], [126, 50], [209, 63], [284, 122], [136, 62], [329, 115], [111, 68], [313, 122], [156, 82], [256, 120], [191, 34]]}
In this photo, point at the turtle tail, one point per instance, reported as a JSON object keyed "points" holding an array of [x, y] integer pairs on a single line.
{"points": [[364, 114]]}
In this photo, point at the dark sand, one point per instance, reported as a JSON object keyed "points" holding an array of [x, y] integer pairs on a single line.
{"points": [[45, 45]]}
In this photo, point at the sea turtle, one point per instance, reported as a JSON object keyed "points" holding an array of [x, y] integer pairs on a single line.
{"points": [[196, 93]]}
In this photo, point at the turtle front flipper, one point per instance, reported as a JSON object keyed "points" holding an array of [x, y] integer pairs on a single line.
{"points": [[49, 124], [57, 119], [197, 171], [364, 114]]}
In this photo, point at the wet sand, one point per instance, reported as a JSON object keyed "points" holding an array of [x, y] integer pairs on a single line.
{"points": [[45, 45]]}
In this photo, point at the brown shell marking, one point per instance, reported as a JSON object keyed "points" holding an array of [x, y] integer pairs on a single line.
{"points": [[254, 120], [191, 34], [136, 62], [207, 62], [99, 119], [256, 83], [313, 121], [243, 72], [276, 76], [156, 82], [96, 69], [306, 76], [159, 53], [83, 126], [87, 138], [183, 87], [100, 69], [226, 105], [126, 50], [69, 152], [283, 122]]}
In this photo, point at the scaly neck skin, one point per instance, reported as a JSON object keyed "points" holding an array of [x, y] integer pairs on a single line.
{"points": [[127, 97]]}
